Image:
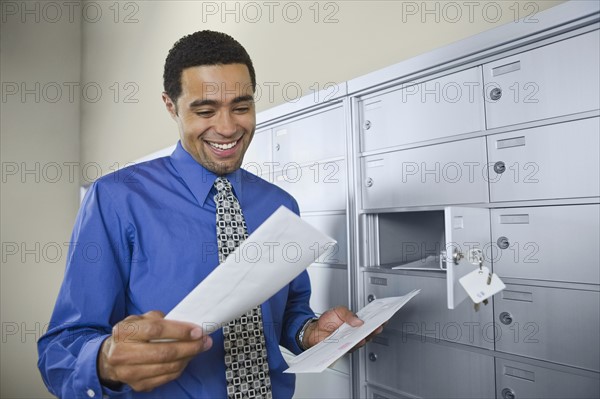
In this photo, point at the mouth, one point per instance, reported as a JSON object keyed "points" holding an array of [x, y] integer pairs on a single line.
{"points": [[222, 146], [224, 150]]}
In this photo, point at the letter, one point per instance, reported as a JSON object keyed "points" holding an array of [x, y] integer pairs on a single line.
{"points": [[298, 252], [252, 252], [435, 91], [409, 8], [257, 12], [471, 168], [471, 86], [92, 255], [36, 332], [8, 249], [86, 97], [35, 251], [498, 12], [274, 4], [57, 249], [25, 11], [435, 332], [411, 89], [71, 87], [9, 8], [71, 5], [208, 8], [9, 328], [409, 169], [457, 12], [71, 167], [409, 327], [298, 92], [271, 167], [435, 172], [468, 4], [298, 175], [85, 13], [471, 326], [496, 332], [56, 87], [409, 249], [57, 12], [435, 12], [448, 175], [25, 91], [285, 12], [48, 176], [447, 97], [452, 325], [235, 11], [9, 169], [35, 172], [9, 89], [271, 86], [271, 246], [84, 171]]}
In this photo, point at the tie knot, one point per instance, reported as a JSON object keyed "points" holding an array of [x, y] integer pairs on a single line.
{"points": [[222, 185]]}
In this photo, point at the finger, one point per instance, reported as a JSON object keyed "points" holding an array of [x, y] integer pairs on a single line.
{"points": [[151, 326], [149, 384], [377, 331], [347, 316], [358, 345], [140, 353], [134, 374]]}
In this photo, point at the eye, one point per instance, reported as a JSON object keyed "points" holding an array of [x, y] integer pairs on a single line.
{"points": [[205, 113], [241, 109]]}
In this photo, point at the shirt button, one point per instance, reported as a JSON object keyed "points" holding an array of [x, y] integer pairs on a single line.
{"points": [[91, 393]]}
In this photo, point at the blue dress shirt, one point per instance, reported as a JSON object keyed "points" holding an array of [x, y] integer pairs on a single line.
{"points": [[144, 237]]}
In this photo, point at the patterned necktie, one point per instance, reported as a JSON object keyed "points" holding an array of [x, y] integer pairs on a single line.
{"points": [[246, 367]]}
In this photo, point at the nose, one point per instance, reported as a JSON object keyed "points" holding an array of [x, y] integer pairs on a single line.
{"points": [[225, 124]]}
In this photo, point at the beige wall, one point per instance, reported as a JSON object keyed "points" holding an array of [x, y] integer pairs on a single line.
{"points": [[39, 200], [348, 39], [122, 48]]}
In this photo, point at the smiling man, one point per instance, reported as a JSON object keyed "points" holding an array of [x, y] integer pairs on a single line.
{"points": [[159, 229], [215, 115]]}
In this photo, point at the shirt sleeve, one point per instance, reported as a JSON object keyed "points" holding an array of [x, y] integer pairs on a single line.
{"points": [[297, 309], [91, 299]]}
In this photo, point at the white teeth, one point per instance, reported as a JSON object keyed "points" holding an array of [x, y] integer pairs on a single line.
{"points": [[223, 146]]}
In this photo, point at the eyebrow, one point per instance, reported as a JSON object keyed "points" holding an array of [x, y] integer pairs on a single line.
{"points": [[237, 100]]}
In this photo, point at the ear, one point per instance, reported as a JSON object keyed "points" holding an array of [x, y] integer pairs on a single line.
{"points": [[170, 105]]}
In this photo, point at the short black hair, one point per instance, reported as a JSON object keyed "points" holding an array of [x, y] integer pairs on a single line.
{"points": [[202, 48]]}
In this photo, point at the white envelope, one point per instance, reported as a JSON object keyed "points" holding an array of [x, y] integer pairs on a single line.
{"points": [[323, 354], [272, 256]]}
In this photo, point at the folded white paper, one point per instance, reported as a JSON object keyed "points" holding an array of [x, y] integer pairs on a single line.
{"points": [[322, 355], [272, 256]]}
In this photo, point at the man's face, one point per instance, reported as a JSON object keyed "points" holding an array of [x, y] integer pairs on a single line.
{"points": [[215, 114]]}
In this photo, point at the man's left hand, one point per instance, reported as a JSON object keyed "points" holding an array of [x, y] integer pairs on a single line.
{"points": [[330, 321]]}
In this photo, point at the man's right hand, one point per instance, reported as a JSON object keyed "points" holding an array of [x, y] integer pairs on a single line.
{"points": [[128, 356]]}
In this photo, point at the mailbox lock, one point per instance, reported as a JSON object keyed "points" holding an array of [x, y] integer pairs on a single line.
{"points": [[508, 393], [499, 167], [503, 242], [369, 182], [372, 356], [457, 256], [371, 298], [496, 93], [277, 147], [506, 318], [367, 125]]}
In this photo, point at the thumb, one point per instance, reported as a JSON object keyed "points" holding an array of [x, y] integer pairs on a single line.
{"points": [[348, 317]]}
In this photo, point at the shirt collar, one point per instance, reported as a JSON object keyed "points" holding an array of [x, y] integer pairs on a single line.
{"points": [[199, 179]]}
